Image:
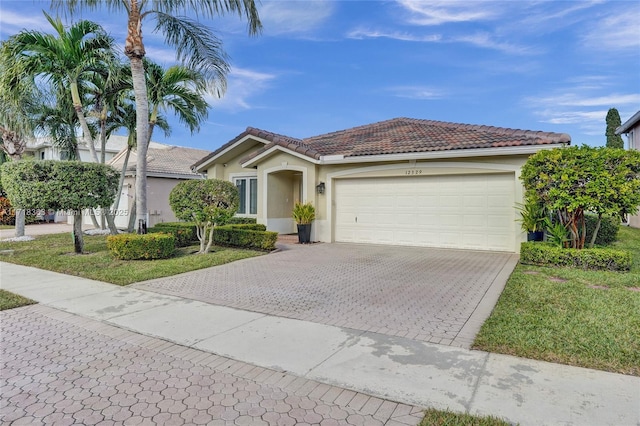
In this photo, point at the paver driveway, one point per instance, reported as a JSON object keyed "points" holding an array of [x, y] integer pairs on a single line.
{"points": [[420, 293]]}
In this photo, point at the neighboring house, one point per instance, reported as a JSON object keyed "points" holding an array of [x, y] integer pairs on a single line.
{"points": [[167, 166], [631, 128], [402, 181], [44, 149]]}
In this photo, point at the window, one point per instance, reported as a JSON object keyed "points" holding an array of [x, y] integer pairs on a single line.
{"points": [[248, 191]]}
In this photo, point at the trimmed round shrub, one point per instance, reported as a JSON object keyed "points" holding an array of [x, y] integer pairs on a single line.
{"points": [[146, 246], [185, 232]]}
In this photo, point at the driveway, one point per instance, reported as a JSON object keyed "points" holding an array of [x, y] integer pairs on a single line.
{"points": [[432, 295]]}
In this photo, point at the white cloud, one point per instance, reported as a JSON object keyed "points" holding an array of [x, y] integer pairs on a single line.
{"points": [[12, 23], [396, 35], [583, 104], [287, 17], [616, 32], [443, 12], [482, 40], [575, 100], [242, 84], [417, 92], [485, 40]]}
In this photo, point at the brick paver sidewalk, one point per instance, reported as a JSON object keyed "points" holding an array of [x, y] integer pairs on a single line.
{"points": [[59, 368]]}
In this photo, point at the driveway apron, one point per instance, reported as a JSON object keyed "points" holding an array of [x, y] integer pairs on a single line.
{"points": [[420, 293]]}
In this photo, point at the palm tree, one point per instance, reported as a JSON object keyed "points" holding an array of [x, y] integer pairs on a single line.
{"points": [[19, 97], [179, 89], [66, 60], [196, 47]]}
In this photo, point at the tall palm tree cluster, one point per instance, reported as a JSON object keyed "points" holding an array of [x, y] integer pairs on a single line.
{"points": [[72, 86]]}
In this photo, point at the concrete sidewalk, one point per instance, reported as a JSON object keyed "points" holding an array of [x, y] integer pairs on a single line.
{"points": [[403, 370]]}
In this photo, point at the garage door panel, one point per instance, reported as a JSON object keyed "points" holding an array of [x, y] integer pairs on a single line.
{"points": [[454, 211]]}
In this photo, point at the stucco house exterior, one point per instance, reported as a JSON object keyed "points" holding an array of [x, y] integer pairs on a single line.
{"points": [[631, 128], [401, 182], [45, 149], [167, 165]]}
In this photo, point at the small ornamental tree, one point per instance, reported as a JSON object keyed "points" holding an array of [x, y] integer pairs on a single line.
{"points": [[575, 180], [60, 185], [613, 122], [207, 203]]}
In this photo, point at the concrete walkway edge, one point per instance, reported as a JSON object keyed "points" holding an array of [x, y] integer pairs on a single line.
{"points": [[412, 372]]}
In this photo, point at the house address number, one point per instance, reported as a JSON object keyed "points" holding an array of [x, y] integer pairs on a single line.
{"points": [[413, 172]]}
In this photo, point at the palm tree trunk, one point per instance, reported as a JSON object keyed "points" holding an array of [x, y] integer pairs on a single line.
{"points": [[116, 203], [77, 105], [134, 49], [142, 130], [132, 216]]}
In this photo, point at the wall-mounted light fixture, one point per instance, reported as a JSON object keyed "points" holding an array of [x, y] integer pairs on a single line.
{"points": [[320, 188]]}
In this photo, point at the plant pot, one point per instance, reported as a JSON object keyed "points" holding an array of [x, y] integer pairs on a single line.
{"points": [[304, 233], [535, 236]]}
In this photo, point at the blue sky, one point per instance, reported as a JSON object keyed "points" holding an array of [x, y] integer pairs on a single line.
{"points": [[324, 66]]}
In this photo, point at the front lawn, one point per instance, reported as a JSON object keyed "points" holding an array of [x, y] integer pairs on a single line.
{"points": [[55, 253], [434, 417], [584, 318], [9, 300]]}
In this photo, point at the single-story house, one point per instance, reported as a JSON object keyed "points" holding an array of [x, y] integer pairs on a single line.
{"points": [[403, 181], [631, 128], [167, 165]]}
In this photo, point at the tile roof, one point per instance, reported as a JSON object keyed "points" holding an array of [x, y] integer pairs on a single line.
{"points": [[251, 131], [165, 159], [399, 136], [407, 135]]}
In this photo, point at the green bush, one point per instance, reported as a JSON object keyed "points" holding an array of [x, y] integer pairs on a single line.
{"points": [[241, 220], [254, 236], [608, 232], [185, 232], [147, 246], [545, 254]]}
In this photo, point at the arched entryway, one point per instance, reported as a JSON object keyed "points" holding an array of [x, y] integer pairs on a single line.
{"points": [[283, 187]]}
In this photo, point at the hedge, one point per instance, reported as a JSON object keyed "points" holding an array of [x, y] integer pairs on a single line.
{"points": [[147, 246], [241, 220], [184, 232], [608, 232], [254, 236], [544, 254]]}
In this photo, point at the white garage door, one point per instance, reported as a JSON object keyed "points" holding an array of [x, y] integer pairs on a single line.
{"points": [[453, 211]]}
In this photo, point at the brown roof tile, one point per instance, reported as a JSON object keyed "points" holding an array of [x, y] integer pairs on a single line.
{"points": [[407, 135], [399, 136]]}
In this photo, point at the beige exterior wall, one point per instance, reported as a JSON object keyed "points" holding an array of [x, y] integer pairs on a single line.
{"points": [[285, 178], [158, 190], [633, 138]]}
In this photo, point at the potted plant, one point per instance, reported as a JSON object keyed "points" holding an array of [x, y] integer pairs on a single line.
{"points": [[304, 214], [533, 218]]}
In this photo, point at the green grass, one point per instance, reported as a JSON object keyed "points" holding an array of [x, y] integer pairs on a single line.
{"points": [[9, 300], [584, 318], [447, 418], [55, 253]]}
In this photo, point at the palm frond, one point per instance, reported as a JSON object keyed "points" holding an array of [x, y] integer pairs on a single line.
{"points": [[197, 48]]}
